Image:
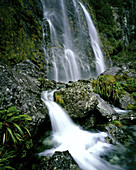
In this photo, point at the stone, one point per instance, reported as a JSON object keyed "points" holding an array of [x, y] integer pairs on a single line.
{"points": [[82, 104], [19, 87], [125, 100], [59, 161], [112, 71]]}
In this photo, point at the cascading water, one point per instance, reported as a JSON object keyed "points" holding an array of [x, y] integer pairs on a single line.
{"points": [[85, 147], [99, 58], [68, 34]]}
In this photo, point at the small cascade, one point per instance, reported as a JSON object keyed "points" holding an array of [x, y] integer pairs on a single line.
{"points": [[70, 42], [85, 147]]}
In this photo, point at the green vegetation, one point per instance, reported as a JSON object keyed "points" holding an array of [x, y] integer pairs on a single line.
{"points": [[15, 138], [116, 123], [134, 95], [111, 87], [20, 34], [59, 99], [130, 85], [115, 24], [108, 88]]}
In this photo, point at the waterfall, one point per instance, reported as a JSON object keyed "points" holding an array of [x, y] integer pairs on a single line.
{"points": [[72, 52], [70, 42], [85, 147], [99, 58]]}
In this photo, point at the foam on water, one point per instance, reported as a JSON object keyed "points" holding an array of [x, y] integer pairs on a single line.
{"points": [[84, 146]]}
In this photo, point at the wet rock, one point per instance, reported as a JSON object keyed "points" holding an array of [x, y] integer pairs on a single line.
{"points": [[112, 71], [128, 118], [125, 100], [81, 103], [105, 109], [19, 87], [116, 134], [120, 70], [59, 161]]}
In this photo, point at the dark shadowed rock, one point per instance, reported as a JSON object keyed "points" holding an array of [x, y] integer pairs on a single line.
{"points": [[59, 161]]}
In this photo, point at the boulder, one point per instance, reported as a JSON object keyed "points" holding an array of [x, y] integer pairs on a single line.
{"points": [[112, 71], [60, 161], [126, 100], [82, 104], [120, 70], [115, 134], [20, 87]]}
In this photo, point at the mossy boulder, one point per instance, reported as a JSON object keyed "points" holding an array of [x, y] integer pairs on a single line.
{"points": [[117, 86], [83, 105], [108, 88]]}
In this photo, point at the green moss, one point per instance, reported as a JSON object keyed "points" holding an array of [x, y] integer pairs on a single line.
{"points": [[59, 99], [20, 34], [108, 88], [131, 107], [117, 123], [134, 95]]}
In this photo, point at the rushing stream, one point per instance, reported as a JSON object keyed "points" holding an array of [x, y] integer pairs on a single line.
{"points": [[85, 147]]}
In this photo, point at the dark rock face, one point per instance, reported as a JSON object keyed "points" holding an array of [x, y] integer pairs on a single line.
{"points": [[115, 134], [20, 87], [80, 102], [59, 161], [129, 118]]}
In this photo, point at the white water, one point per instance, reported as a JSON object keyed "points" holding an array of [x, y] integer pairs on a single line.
{"points": [[67, 27], [99, 58], [85, 147], [120, 111]]}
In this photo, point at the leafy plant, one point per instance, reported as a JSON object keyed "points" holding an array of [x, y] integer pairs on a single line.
{"points": [[117, 123], [5, 158], [15, 137], [134, 95], [13, 126]]}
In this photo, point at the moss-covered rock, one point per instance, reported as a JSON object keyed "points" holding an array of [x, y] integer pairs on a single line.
{"points": [[20, 33], [108, 88], [83, 105], [117, 86]]}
